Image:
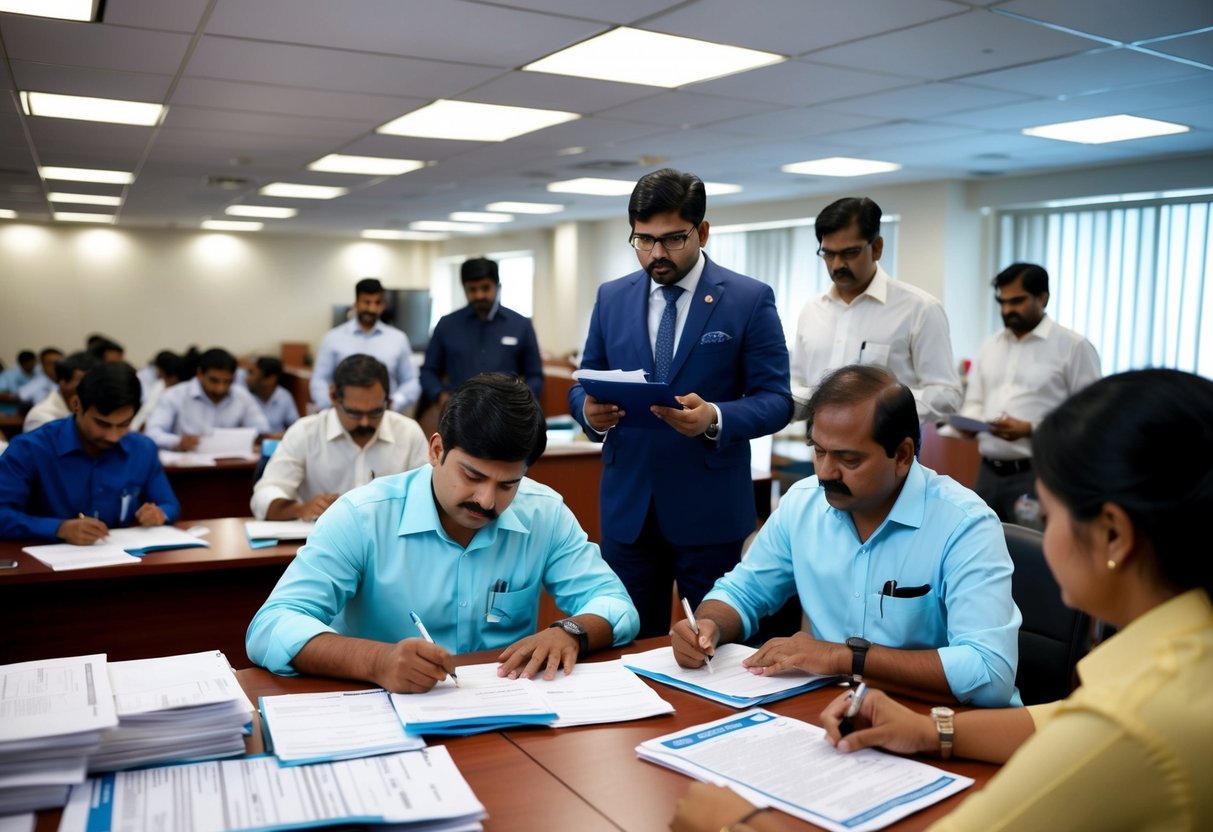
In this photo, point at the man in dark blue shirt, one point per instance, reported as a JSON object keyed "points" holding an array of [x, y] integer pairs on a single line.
{"points": [[74, 478], [482, 337]]}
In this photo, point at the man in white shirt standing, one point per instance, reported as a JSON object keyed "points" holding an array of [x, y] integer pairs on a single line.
{"points": [[1021, 374], [193, 409], [366, 334], [324, 455], [867, 317]]}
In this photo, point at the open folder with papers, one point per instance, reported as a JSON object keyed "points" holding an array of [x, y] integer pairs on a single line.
{"points": [[631, 392]]}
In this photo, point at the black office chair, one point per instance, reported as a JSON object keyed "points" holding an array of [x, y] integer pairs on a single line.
{"points": [[1053, 637]]}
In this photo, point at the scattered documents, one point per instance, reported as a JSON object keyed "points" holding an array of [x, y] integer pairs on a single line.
{"points": [[629, 390], [263, 533], [422, 788], [305, 728], [482, 701], [971, 425], [597, 692], [61, 557], [778, 761], [730, 684]]}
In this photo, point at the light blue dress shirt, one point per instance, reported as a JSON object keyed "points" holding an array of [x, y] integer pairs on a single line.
{"points": [[385, 343], [938, 534], [184, 409], [280, 411], [380, 552], [37, 388]]}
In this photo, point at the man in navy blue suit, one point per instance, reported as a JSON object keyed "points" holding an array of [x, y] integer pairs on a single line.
{"points": [[677, 500]]}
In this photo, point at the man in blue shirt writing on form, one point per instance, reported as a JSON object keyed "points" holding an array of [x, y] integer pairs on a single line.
{"points": [[467, 543], [75, 478], [902, 572]]}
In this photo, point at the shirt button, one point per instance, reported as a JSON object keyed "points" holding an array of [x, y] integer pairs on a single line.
{"points": [[465, 603], [856, 594]]}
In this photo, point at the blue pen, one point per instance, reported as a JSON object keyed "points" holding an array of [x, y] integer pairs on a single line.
{"points": [[425, 634]]}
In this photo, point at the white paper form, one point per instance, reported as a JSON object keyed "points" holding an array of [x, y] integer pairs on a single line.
{"points": [[778, 761], [227, 443], [481, 701], [152, 538], [314, 727], [597, 692], [189, 680], [61, 557], [278, 529], [256, 793], [50, 698]]}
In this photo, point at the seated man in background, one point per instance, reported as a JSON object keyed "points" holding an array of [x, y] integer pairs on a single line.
{"points": [[467, 542], [43, 382], [324, 455], [106, 349], [68, 372], [14, 378], [193, 409], [903, 573], [278, 405], [75, 478]]}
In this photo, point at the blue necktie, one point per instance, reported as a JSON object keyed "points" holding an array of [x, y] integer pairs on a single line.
{"points": [[663, 350]]}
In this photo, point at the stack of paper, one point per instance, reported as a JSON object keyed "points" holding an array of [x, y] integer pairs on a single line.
{"points": [[263, 533], [482, 701], [302, 728], [778, 761], [173, 709], [118, 548], [729, 683], [52, 714]]}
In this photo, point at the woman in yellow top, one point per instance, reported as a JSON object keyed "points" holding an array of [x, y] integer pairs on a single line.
{"points": [[1125, 477]]}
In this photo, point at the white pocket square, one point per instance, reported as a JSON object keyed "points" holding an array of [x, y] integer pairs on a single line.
{"points": [[716, 337]]}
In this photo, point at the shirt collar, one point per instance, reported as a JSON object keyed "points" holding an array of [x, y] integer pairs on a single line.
{"points": [[910, 507], [877, 289], [356, 328], [420, 514], [196, 392], [66, 440], [689, 281], [334, 430]]}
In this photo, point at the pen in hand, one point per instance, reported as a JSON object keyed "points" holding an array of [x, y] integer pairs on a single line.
{"points": [[425, 634], [686, 607], [846, 725]]}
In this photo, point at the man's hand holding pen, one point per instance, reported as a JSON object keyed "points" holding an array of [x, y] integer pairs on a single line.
{"points": [[412, 665], [691, 650]]}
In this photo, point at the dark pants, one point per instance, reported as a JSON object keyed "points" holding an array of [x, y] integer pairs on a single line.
{"points": [[1001, 490]]}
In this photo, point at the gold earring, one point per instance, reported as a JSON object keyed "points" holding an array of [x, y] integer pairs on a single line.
{"points": [[1111, 564]]}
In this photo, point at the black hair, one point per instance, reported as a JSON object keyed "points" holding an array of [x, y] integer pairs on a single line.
{"points": [[217, 358], [1142, 440], [269, 366], [478, 268], [189, 362], [109, 387], [840, 213], [359, 370], [494, 416], [1035, 278], [668, 190], [99, 345], [167, 361], [68, 366], [368, 286], [45, 351], [896, 416], [26, 356]]}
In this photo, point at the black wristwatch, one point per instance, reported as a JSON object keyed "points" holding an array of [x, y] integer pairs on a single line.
{"points": [[577, 631], [859, 651]]}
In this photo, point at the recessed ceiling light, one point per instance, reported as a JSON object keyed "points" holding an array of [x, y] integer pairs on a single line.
{"points": [[1119, 128], [394, 234], [443, 225], [720, 188], [104, 177], [74, 216], [109, 110], [468, 121], [84, 199], [480, 216], [525, 207], [267, 211], [592, 186], [291, 191], [7, 214], [669, 60], [232, 225], [59, 9], [367, 165], [840, 166]]}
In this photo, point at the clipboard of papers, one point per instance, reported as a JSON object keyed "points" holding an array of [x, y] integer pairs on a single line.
{"points": [[631, 392]]}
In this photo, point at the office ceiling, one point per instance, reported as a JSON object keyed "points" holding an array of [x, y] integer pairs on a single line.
{"points": [[257, 89]]}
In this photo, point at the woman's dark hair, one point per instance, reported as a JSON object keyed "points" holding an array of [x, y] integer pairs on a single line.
{"points": [[109, 387], [1142, 440], [668, 190], [494, 416], [896, 416]]}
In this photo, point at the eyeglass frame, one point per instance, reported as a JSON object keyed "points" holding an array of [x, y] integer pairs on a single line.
{"points": [[359, 415], [664, 239], [846, 255]]}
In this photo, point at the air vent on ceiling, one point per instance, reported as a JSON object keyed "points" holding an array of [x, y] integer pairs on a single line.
{"points": [[226, 183]]}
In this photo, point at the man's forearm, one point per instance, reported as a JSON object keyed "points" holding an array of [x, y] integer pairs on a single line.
{"points": [[342, 657], [918, 673], [726, 619], [283, 509]]}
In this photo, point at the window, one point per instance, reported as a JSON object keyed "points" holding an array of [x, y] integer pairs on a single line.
{"points": [[1131, 278], [517, 272]]}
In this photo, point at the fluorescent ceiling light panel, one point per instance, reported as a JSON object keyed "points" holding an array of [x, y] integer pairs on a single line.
{"points": [[59, 9], [74, 216], [468, 121], [7, 214], [593, 186], [720, 188], [84, 199], [525, 207], [1120, 128], [109, 110], [266, 211], [840, 166], [480, 216], [443, 225], [104, 177], [634, 56], [394, 234], [291, 191], [232, 225], [365, 165]]}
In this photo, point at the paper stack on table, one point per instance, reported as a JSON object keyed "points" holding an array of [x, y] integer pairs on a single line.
{"points": [[120, 547], [263, 533]]}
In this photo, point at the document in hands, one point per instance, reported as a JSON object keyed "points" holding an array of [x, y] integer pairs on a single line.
{"points": [[731, 684], [629, 390], [303, 728], [778, 761], [971, 425]]}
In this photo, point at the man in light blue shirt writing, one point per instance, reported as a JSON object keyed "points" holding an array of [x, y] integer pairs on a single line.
{"points": [[466, 543], [902, 573]]}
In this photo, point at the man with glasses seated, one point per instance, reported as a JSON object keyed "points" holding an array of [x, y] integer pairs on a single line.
{"points": [[324, 455], [867, 317]]}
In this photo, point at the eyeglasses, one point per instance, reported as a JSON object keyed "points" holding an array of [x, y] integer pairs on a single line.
{"points": [[846, 255], [359, 415], [670, 242]]}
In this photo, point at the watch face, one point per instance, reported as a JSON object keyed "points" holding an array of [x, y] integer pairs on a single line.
{"points": [[572, 627], [857, 643]]}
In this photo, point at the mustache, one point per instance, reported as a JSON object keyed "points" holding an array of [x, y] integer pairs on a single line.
{"points": [[662, 262], [472, 505], [843, 273], [362, 430], [834, 487]]}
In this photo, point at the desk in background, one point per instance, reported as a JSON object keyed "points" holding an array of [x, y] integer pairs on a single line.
{"points": [[220, 490]]}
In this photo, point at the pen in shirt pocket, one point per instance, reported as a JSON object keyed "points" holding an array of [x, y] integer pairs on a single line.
{"points": [[892, 590]]}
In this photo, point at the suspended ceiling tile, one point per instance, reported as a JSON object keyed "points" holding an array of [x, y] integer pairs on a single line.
{"points": [[799, 83], [1120, 21], [94, 45], [557, 92], [240, 121], [617, 11], [174, 16], [98, 83], [1193, 47], [1088, 72], [686, 109], [266, 98], [925, 100], [792, 124]]}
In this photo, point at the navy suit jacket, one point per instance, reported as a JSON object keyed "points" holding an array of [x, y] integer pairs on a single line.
{"points": [[732, 352]]}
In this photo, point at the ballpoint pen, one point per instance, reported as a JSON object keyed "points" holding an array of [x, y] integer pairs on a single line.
{"points": [[425, 634], [686, 607], [846, 724]]}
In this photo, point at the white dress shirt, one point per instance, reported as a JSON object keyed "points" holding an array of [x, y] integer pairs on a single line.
{"points": [[1026, 378], [48, 410], [384, 343], [185, 409], [893, 324], [318, 456]]}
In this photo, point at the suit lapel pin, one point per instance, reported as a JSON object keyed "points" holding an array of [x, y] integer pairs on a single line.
{"points": [[708, 298]]}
